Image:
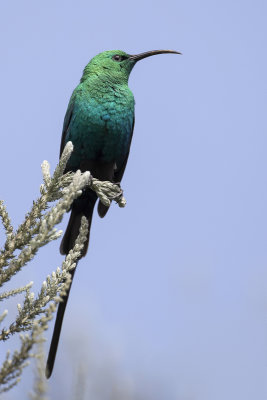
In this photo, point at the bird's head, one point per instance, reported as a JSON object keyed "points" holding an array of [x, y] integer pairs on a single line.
{"points": [[116, 64]]}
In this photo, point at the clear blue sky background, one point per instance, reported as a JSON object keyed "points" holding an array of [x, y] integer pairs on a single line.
{"points": [[172, 297]]}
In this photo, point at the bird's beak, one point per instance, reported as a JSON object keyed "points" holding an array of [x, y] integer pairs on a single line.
{"points": [[137, 57]]}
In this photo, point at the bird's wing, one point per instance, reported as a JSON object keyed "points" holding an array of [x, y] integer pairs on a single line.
{"points": [[66, 124], [118, 174]]}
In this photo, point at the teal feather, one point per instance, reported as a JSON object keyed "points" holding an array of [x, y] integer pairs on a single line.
{"points": [[100, 129]]}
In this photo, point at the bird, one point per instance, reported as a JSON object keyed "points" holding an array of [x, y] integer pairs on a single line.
{"points": [[99, 122]]}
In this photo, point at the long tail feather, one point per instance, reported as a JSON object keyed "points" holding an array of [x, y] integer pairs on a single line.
{"points": [[56, 334], [83, 206]]}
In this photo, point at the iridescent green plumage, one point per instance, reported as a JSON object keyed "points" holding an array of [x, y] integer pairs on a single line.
{"points": [[99, 122], [102, 111]]}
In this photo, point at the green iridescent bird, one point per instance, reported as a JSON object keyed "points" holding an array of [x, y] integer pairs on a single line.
{"points": [[99, 122]]}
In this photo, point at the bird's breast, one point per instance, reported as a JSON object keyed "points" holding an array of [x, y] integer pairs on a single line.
{"points": [[101, 128]]}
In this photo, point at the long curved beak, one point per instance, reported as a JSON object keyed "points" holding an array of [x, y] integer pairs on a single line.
{"points": [[137, 57]]}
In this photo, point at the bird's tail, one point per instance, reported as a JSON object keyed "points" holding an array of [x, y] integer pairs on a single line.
{"points": [[56, 334], [83, 206]]}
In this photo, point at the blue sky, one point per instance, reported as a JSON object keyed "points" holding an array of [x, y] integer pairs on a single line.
{"points": [[173, 293]]}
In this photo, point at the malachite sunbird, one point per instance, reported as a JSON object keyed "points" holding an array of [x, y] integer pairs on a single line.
{"points": [[99, 122]]}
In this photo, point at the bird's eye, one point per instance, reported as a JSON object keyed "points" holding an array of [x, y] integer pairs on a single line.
{"points": [[117, 57]]}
